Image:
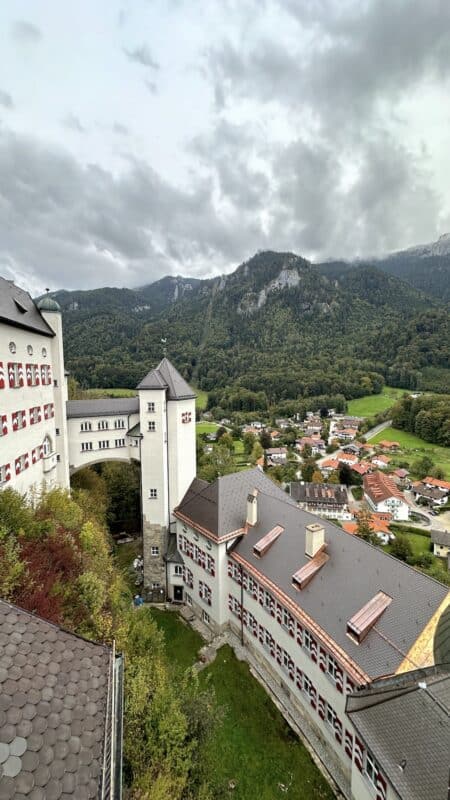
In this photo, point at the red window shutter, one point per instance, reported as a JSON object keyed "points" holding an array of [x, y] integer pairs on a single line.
{"points": [[7, 472], [381, 786], [15, 421], [2, 376], [321, 707], [4, 424], [322, 659], [21, 377], [17, 465], [28, 371], [339, 680], [27, 461], [348, 743], [11, 375], [24, 418], [359, 754]]}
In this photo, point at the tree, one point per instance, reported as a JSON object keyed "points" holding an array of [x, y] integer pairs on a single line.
{"points": [[345, 475], [317, 476], [333, 477], [227, 441], [401, 547], [306, 452], [249, 440], [257, 452], [364, 527], [265, 440], [437, 472], [422, 466], [308, 469]]}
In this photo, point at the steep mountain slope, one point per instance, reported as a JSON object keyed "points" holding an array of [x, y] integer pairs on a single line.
{"points": [[425, 267], [275, 328]]}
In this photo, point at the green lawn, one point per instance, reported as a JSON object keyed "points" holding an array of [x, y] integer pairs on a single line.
{"points": [[182, 642], [95, 394], [419, 544], [207, 427], [202, 399], [374, 403], [253, 746], [412, 448]]}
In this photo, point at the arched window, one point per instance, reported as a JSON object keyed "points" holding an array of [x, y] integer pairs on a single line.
{"points": [[48, 447]]}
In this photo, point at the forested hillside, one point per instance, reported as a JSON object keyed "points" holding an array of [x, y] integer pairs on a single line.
{"points": [[274, 329], [427, 416]]}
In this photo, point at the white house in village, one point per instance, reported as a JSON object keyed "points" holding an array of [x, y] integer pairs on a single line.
{"points": [[382, 494], [320, 612]]}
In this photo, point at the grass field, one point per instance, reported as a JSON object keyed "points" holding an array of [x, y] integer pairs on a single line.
{"points": [[207, 427], [202, 399], [412, 447], [374, 403], [95, 394], [182, 642], [253, 746]]}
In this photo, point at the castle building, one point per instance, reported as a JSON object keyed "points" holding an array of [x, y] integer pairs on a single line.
{"points": [[323, 614]]}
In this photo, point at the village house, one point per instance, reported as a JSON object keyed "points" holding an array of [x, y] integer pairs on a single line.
{"points": [[378, 526], [380, 461], [436, 483], [354, 448], [325, 499], [345, 458], [316, 444], [400, 476], [441, 543], [433, 495], [387, 445], [345, 434], [277, 455], [382, 494], [362, 468], [328, 466]]}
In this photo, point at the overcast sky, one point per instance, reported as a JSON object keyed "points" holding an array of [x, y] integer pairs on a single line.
{"points": [[142, 138]]}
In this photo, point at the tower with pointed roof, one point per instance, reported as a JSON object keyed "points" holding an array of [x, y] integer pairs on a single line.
{"points": [[168, 466]]}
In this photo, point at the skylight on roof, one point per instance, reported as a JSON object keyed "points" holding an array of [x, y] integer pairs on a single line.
{"points": [[363, 621], [261, 547]]}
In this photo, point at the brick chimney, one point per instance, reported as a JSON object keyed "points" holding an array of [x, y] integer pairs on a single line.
{"points": [[314, 539], [252, 508]]}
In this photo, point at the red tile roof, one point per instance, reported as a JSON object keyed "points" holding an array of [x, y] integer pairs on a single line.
{"points": [[379, 487]]}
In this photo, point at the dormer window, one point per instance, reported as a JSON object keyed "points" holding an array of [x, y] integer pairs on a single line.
{"points": [[363, 621]]}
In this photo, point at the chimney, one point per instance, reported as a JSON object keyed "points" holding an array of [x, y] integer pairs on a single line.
{"points": [[315, 539], [252, 509]]}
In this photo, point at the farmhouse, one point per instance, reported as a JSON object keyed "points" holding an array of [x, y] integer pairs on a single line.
{"points": [[277, 455], [381, 461], [382, 494]]}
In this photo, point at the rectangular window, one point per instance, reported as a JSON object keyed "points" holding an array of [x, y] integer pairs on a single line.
{"points": [[103, 425], [330, 715], [119, 423], [154, 551], [204, 592], [152, 494], [151, 408], [332, 668], [371, 768], [85, 446], [308, 641], [156, 585], [206, 617], [19, 420], [15, 375], [120, 442], [152, 426], [178, 569], [188, 599], [46, 378], [86, 426], [3, 473], [104, 444]]}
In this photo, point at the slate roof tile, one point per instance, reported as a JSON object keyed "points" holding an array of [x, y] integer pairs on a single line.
{"points": [[52, 721]]}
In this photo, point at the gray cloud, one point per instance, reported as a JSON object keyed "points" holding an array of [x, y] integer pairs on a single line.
{"points": [[72, 122], [120, 129], [151, 86], [142, 55], [26, 32], [6, 100], [67, 225]]}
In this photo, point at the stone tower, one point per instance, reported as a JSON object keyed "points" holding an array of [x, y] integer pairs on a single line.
{"points": [[168, 462]]}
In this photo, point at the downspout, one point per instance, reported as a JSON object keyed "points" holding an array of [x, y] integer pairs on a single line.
{"points": [[242, 606]]}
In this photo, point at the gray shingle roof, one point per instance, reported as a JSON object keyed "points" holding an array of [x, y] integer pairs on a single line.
{"points": [[54, 709], [441, 537], [403, 724], [105, 407], [18, 309], [355, 572], [165, 376], [221, 506], [319, 493]]}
